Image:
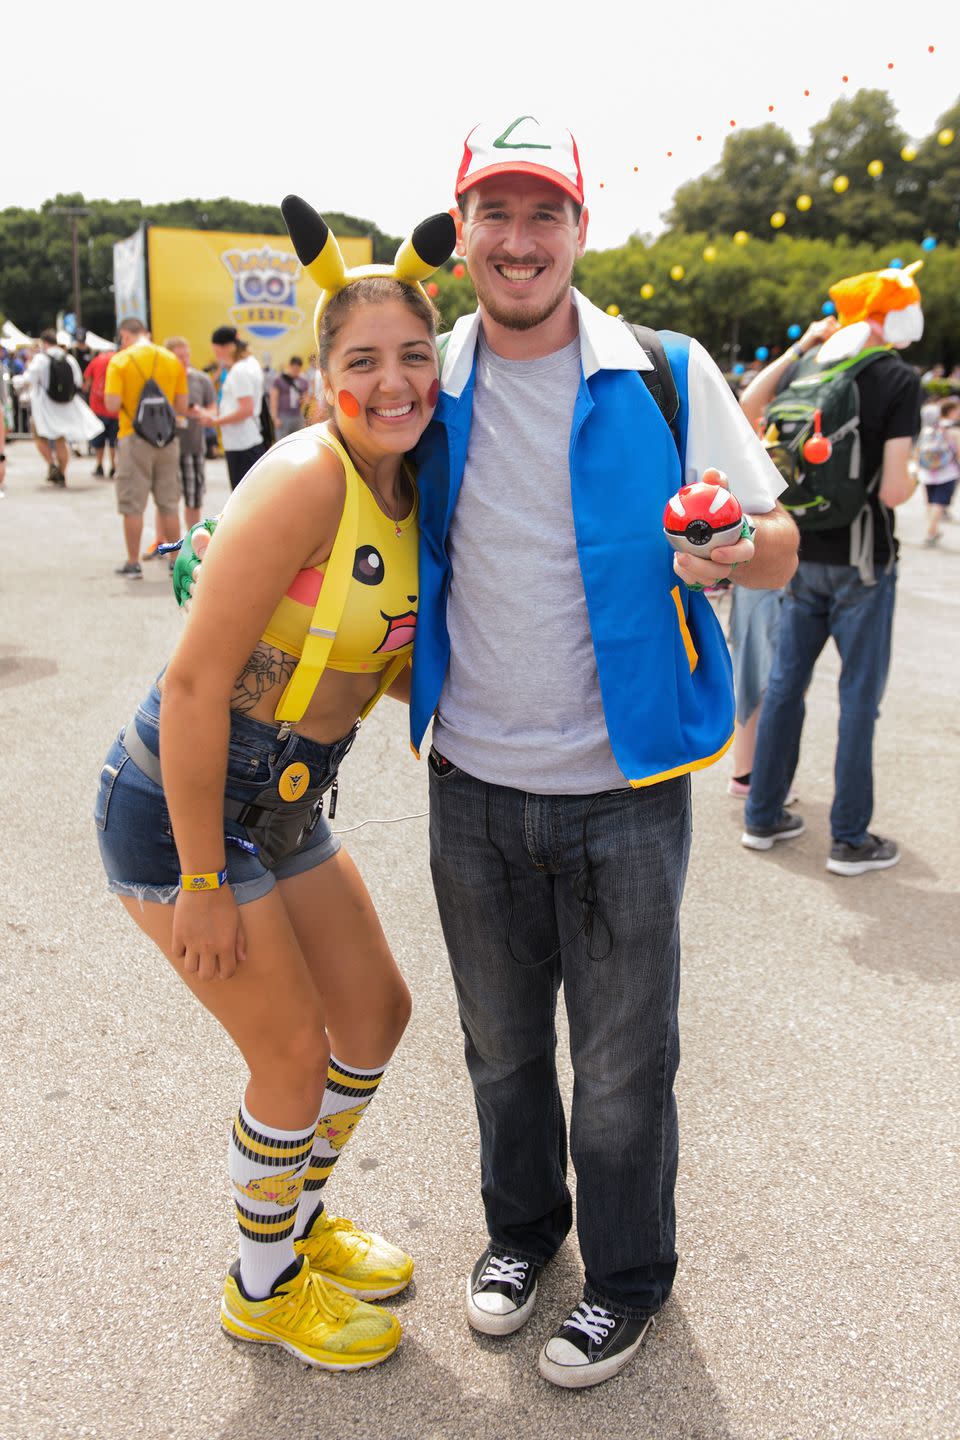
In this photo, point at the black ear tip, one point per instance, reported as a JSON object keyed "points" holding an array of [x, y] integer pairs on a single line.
{"points": [[306, 228], [435, 238]]}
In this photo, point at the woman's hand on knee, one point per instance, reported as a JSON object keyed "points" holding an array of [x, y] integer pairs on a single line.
{"points": [[208, 938]]}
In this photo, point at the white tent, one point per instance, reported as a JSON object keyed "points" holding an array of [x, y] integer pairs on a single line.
{"points": [[97, 342], [10, 335]]}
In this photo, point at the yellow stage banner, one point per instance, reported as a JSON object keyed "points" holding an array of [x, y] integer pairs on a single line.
{"points": [[200, 279]]}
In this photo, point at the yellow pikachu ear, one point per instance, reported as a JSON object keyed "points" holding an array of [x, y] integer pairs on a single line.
{"points": [[431, 243], [317, 249]]}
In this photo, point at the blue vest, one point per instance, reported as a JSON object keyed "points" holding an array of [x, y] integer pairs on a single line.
{"points": [[663, 665]]}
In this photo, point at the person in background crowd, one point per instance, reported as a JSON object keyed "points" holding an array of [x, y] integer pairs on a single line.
{"points": [[287, 395], [237, 415], [94, 378], [3, 434], [143, 469], [59, 415], [201, 396], [938, 461], [845, 586]]}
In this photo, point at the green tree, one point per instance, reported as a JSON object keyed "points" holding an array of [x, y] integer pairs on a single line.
{"points": [[756, 175]]}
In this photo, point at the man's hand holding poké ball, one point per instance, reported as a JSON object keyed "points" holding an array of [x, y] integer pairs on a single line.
{"points": [[707, 528]]}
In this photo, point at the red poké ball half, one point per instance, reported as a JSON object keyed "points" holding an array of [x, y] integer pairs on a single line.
{"points": [[702, 516]]}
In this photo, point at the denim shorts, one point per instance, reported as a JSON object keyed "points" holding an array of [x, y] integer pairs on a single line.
{"points": [[133, 823]]}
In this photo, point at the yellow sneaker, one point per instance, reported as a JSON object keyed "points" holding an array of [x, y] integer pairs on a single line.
{"points": [[365, 1266], [311, 1319]]}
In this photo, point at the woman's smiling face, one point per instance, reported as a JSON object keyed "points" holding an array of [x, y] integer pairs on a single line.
{"points": [[381, 380]]}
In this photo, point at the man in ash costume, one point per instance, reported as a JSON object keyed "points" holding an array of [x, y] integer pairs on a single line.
{"points": [[576, 681]]}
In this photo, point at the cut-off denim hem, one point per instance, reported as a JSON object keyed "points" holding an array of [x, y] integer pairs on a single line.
{"points": [[133, 823]]}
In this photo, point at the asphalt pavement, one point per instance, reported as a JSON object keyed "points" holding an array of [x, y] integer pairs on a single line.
{"points": [[818, 1198]]}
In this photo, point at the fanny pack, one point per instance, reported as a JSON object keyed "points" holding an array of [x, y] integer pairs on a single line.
{"points": [[276, 826]]}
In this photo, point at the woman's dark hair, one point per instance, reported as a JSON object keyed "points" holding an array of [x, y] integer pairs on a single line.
{"points": [[374, 291]]}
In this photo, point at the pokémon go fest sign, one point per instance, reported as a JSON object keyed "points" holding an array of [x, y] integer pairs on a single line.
{"points": [[200, 279]]}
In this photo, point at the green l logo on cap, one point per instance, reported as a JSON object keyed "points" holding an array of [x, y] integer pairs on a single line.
{"points": [[501, 142]]}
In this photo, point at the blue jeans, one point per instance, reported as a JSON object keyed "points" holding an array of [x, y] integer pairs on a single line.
{"points": [[535, 890], [825, 600]]}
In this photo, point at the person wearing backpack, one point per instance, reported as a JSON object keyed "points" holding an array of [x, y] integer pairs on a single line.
{"points": [[59, 416], [840, 425], [938, 461], [575, 678], [146, 388]]}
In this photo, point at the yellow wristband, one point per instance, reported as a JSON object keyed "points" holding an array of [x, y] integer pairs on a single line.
{"points": [[211, 881]]}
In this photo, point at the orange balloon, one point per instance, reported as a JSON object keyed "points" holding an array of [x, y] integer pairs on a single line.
{"points": [[459, 271]]}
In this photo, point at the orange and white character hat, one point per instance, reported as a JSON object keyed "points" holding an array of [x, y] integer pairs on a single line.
{"points": [[521, 147], [889, 299]]}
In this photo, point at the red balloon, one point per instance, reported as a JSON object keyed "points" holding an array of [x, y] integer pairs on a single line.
{"points": [[433, 289], [459, 271]]}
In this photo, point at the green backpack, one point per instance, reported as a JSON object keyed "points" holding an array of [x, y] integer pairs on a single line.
{"points": [[832, 493]]}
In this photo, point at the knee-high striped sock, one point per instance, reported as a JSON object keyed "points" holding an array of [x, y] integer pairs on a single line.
{"points": [[348, 1093], [267, 1171]]}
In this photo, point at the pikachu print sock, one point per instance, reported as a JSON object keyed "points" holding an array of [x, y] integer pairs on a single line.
{"points": [[348, 1093], [267, 1170]]}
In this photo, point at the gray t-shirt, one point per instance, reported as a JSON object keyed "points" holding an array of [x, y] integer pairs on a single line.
{"points": [[521, 704], [200, 392]]}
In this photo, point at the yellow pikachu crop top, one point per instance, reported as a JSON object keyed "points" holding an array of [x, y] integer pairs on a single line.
{"points": [[358, 611]]}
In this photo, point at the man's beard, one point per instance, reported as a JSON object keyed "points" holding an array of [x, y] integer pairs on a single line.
{"points": [[526, 317]]}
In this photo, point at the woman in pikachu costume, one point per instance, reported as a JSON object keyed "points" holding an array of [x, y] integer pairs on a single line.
{"points": [[210, 807]]}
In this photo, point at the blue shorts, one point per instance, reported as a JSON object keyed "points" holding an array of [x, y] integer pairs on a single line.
{"points": [[133, 824], [940, 493]]}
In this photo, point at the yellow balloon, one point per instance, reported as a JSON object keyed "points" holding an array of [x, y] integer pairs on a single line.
{"points": [[778, 219], [710, 253], [945, 137], [804, 202], [613, 309], [875, 168], [647, 291], [840, 184], [677, 272], [741, 237], [908, 153]]}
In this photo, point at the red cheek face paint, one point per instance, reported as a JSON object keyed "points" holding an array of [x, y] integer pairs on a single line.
{"points": [[349, 404], [433, 392]]}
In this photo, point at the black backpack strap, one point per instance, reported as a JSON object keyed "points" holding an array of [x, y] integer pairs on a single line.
{"points": [[659, 381]]}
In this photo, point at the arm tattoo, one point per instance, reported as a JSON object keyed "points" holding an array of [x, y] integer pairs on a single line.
{"points": [[266, 668]]}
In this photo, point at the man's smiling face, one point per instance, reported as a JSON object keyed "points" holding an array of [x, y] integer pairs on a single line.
{"points": [[520, 236]]}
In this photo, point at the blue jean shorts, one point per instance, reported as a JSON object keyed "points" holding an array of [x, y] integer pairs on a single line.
{"points": [[133, 823]]}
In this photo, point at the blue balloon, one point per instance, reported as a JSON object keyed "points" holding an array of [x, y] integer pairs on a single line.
{"points": [[929, 243], [739, 368], [794, 332], [762, 353], [896, 263], [828, 308]]}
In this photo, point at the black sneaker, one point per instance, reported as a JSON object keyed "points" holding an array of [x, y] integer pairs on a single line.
{"points": [[501, 1293], [131, 569], [764, 837], [591, 1345], [98, 473], [874, 854]]}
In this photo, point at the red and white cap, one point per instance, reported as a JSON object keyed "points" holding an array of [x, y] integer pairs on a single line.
{"points": [[522, 147]]}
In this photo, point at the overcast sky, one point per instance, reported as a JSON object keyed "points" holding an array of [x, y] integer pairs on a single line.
{"points": [[360, 110]]}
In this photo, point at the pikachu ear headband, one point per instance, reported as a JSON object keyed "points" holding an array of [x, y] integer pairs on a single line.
{"points": [[431, 243]]}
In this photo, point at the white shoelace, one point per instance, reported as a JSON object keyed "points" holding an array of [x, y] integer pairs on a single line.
{"points": [[592, 1321], [507, 1271]]}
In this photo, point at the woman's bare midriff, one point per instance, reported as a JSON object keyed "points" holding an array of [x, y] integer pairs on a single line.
{"points": [[333, 710]]}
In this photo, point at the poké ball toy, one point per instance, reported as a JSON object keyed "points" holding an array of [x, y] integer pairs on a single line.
{"points": [[817, 449], [701, 517]]}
